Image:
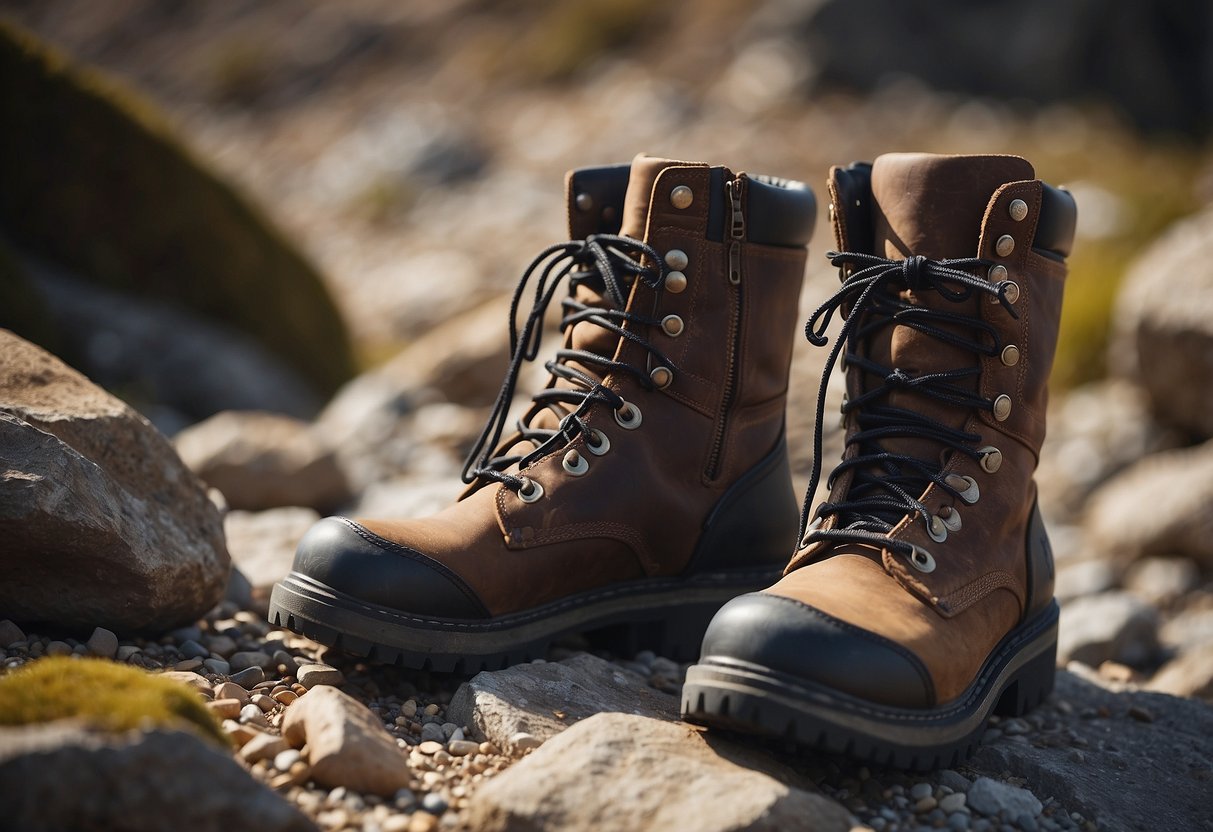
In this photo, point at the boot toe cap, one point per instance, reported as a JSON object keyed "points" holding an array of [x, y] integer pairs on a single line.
{"points": [[346, 557], [794, 639]]}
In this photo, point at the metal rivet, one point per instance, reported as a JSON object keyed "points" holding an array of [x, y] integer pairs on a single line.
{"points": [[1005, 245], [921, 560], [998, 274], [950, 518], [661, 376], [597, 443], [937, 530], [575, 463], [831, 210], [628, 416], [677, 259], [530, 490], [682, 197], [584, 202], [672, 325], [1010, 355], [991, 459], [1011, 293], [1002, 407], [965, 486], [675, 282], [1018, 209], [609, 214]]}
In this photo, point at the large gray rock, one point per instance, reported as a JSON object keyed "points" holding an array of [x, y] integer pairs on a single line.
{"points": [[634, 773], [347, 744], [1126, 761], [1114, 626], [103, 525], [264, 460], [1163, 325], [527, 698], [1159, 506], [65, 776]]}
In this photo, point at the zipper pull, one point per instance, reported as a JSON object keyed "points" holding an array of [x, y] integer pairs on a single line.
{"points": [[733, 190]]}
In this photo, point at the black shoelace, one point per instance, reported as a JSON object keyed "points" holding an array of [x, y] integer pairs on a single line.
{"points": [[601, 261], [886, 485]]}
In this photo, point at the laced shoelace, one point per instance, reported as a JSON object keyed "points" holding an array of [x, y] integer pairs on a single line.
{"points": [[886, 485], [601, 261]]}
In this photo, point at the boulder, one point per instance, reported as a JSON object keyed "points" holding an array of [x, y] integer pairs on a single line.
{"points": [[347, 744], [1110, 626], [264, 460], [634, 773], [542, 699], [76, 144], [62, 775], [103, 524], [1189, 674], [1158, 506], [1163, 325]]}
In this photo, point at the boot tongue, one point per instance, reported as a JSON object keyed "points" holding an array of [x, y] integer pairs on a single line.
{"points": [[933, 205], [645, 170]]}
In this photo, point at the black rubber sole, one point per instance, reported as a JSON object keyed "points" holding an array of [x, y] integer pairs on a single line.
{"points": [[668, 616], [750, 699]]}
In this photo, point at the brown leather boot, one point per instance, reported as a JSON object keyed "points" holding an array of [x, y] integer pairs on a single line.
{"points": [[920, 599], [648, 482]]}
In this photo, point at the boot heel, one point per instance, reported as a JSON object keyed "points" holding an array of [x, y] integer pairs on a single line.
{"points": [[1030, 686]]}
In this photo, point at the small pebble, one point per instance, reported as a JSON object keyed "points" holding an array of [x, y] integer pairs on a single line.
{"points": [[252, 715], [462, 748], [404, 799], [958, 821], [249, 677], [522, 741], [434, 803], [10, 633], [217, 666], [409, 709], [225, 708], [126, 652], [921, 790], [422, 822], [193, 650], [286, 697], [231, 690], [188, 664], [58, 648], [283, 760], [311, 675], [248, 659], [430, 747], [430, 709], [953, 802], [925, 804], [1141, 714], [432, 732], [103, 643], [190, 633]]}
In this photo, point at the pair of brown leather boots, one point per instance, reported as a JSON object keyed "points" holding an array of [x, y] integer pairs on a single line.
{"points": [[648, 483]]}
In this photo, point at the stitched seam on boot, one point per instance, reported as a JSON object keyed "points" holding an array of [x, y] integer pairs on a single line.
{"points": [[419, 557], [882, 641]]}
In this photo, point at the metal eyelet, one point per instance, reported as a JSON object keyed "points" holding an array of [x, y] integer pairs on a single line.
{"points": [[628, 416], [950, 518], [1002, 407], [672, 325], [991, 459], [675, 282], [677, 259], [922, 560], [1004, 245], [597, 443], [1011, 293], [530, 490], [1010, 355], [997, 274], [575, 463], [662, 377], [967, 486], [936, 529]]}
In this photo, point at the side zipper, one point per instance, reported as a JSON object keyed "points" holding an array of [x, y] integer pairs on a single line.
{"points": [[734, 191]]}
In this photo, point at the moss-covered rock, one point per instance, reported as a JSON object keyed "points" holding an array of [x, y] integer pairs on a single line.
{"points": [[112, 696], [94, 179]]}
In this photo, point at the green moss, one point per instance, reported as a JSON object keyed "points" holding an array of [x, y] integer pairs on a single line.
{"points": [[95, 180], [113, 696]]}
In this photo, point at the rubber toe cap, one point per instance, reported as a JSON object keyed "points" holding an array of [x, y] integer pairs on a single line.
{"points": [[794, 639], [346, 557]]}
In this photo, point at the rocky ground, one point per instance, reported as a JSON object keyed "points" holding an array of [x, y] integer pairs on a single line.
{"points": [[419, 216]]}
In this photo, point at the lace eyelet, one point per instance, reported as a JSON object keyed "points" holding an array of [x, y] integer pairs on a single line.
{"points": [[575, 463], [530, 490], [950, 518], [922, 560], [936, 529], [597, 443], [991, 459], [967, 486], [628, 416]]}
